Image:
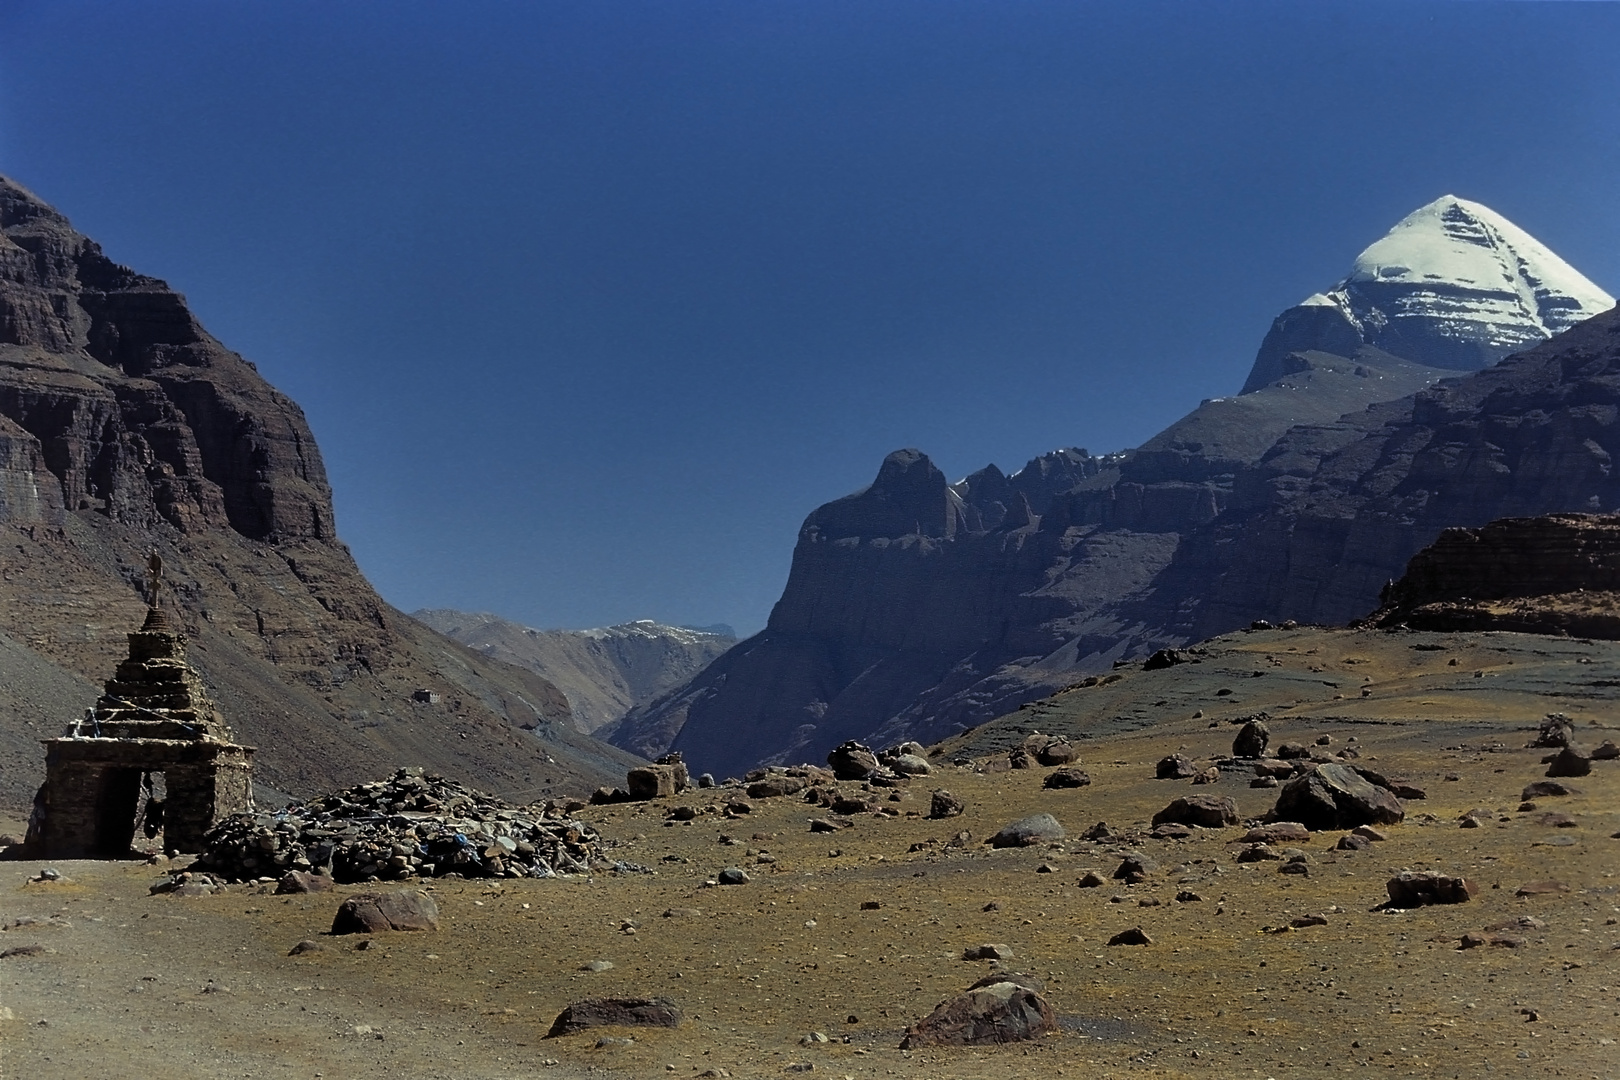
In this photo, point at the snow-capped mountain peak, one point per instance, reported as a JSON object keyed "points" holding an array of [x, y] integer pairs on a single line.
{"points": [[1453, 285]]}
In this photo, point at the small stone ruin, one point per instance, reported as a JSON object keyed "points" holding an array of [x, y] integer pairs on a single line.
{"points": [[154, 724]]}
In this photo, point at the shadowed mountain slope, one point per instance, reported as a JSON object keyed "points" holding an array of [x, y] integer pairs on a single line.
{"points": [[125, 428]]}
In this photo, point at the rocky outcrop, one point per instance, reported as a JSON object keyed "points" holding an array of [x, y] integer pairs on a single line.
{"points": [[917, 607], [125, 428], [1553, 574], [604, 672]]}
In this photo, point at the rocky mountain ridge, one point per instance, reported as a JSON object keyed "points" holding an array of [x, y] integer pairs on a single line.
{"points": [[917, 608], [603, 671], [125, 428]]}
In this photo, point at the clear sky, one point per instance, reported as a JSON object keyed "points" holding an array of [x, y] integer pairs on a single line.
{"points": [[590, 303]]}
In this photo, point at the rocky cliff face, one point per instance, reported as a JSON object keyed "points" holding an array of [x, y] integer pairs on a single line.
{"points": [[917, 607], [604, 672], [126, 428], [1558, 574]]}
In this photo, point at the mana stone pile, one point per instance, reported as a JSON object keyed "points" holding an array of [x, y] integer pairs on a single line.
{"points": [[411, 825]]}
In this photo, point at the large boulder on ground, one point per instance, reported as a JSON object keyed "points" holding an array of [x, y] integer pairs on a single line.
{"points": [[1067, 777], [652, 781], [1336, 797], [942, 804], [776, 785], [1570, 761], [1208, 811], [909, 765], [1175, 767], [1251, 740], [852, 761], [615, 1012], [379, 912], [1410, 889], [1002, 1012], [1050, 749], [1027, 831]]}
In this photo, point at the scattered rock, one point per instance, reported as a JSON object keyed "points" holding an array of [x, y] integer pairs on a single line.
{"points": [[306, 946], [1252, 739], [1001, 1012], [1336, 797], [1135, 868], [1606, 751], [732, 875], [296, 881], [1367, 832], [987, 952], [1263, 782], [852, 761], [1134, 936], [1066, 777], [1292, 751], [1259, 853], [1162, 659], [1352, 842], [1051, 749], [1570, 761], [1187, 896], [1026, 831], [1308, 920], [1090, 880], [1175, 767], [1547, 887], [1099, 831], [1211, 775], [22, 951], [615, 1012], [1471, 941], [1205, 811], [1278, 832], [1554, 820], [909, 765], [1171, 830], [942, 804], [411, 825], [1546, 789], [396, 909], [1410, 889], [597, 966], [775, 786]]}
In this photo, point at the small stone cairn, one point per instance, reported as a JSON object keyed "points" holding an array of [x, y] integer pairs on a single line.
{"points": [[408, 826]]}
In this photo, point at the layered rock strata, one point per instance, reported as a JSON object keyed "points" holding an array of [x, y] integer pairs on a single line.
{"points": [[125, 428]]}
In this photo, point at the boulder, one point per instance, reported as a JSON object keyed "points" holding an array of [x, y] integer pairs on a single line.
{"points": [[942, 804], [1410, 889], [1026, 831], [775, 786], [296, 881], [1164, 658], [615, 1012], [1606, 751], [1336, 797], [852, 761], [1134, 936], [1067, 777], [379, 912], [1546, 789], [1002, 1012], [987, 952], [651, 781], [1251, 740], [1050, 749], [909, 765], [1175, 767], [1207, 811], [1135, 868], [1570, 761], [1278, 832]]}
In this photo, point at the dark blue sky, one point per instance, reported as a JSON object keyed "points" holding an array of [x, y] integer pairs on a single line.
{"points": [[590, 303]]}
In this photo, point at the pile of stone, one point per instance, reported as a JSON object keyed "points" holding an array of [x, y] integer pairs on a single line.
{"points": [[410, 825]]}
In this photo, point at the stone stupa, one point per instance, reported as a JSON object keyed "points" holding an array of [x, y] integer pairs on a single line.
{"points": [[154, 718]]}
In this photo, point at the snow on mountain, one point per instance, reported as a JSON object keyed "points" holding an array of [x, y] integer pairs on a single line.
{"points": [[1453, 285]]}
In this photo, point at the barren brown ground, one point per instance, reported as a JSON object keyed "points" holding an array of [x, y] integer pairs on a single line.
{"points": [[142, 985]]}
